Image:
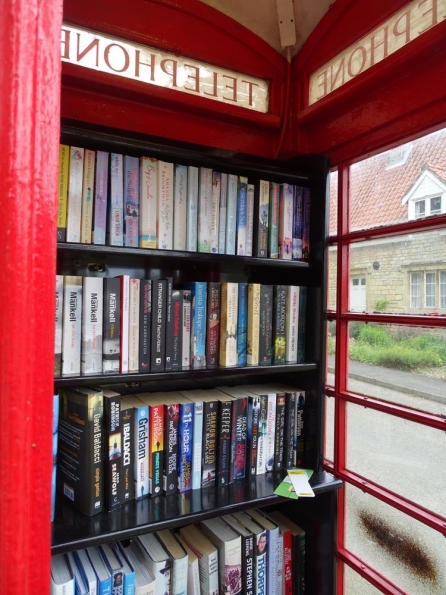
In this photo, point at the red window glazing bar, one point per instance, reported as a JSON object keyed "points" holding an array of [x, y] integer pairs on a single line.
{"points": [[368, 573]]}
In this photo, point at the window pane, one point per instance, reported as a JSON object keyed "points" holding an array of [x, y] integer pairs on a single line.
{"points": [[399, 364], [430, 290], [442, 289], [354, 583], [402, 456], [415, 290], [329, 428], [333, 182], [331, 351], [397, 185], [408, 553], [332, 273]]}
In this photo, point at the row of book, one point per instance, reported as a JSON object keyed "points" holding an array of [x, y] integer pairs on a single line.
{"points": [[114, 448], [249, 553], [119, 325], [121, 200]]}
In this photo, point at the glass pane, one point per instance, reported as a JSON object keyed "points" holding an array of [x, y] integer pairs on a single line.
{"points": [[399, 274], [408, 553], [402, 456], [442, 289], [333, 183], [332, 277], [400, 364], [329, 428], [354, 583], [331, 351], [397, 186]]}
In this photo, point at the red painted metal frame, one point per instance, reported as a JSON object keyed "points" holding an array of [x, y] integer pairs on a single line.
{"points": [[369, 573]]}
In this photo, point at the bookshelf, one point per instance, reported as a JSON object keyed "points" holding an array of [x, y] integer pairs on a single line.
{"points": [[72, 530]]}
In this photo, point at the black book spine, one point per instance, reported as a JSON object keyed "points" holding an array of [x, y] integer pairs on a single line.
{"points": [[144, 328], [224, 441], [213, 324], [253, 435], [111, 340], [290, 416], [177, 309], [279, 321], [280, 432], [112, 451], [248, 587], [158, 330], [266, 325], [127, 431], [169, 324], [210, 413], [171, 420]]}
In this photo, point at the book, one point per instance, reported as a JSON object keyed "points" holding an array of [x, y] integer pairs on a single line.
{"points": [[74, 204], [127, 569], [265, 392], [102, 573], [186, 445], [272, 547], [124, 323], [180, 208], [198, 324], [286, 221], [296, 538], [84, 564], [72, 326], [156, 440], [177, 330], [131, 201], [80, 476], [192, 209], [213, 323], [165, 184], [140, 444], [169, 325], [186, 295], [273, 221], [262, 434], [209, 445], [193, 577], [252, 433], [301, 330], [231, 214], [279, 324], [279, 441], [197, 442], [64, 173], [291, 323], [238, 431], [300, 429], [113, 563], [297, 222], [92, 320], [58, 329], [247, 545], [242, 191], [242, 324], [249, 219], [115, 227], [306, 224], [224, 435], [158, 325], [87, 197], [100, 198], [62, 577], [158, 561], [229, 545], [113, 448], [266, 325], [111, 341], [144, 579], [148, 177], [145, 322], [223, 214], [205, 210], [261, 213], [215, 211], [55, 446], [253, 327], [171, 441], [207, 555], [228, 324], [127, 422], [260, 552], [178, 559]]}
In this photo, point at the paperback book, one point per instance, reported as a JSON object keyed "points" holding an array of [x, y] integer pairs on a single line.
{"points": [[64, 172], [92, 320], [131, 201], [100, 198], [148, 175], [87, 197], [72, 326], [115, 228]]}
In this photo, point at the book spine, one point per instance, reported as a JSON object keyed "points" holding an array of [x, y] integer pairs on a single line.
{"points": [[210, 412], [290, 417], [253, 329], [223, 214], [261, 220], [192, 209], [213, 324], [148, 176], [180, 208], [115, 231], [198, 325], [279, 324], [306, 224], [270, 432], [288, 579], [224, 441], [273, 221], [72, 327], [242, 323], [252, 435], [291, 325], [205, 210], [299, 563], [156, 448], [165, 205], [242, 201], [297, 222], [100, 198], [145, 319], [134, 324], [286, 222], [128, 453], [261, 570], [92, 320], [177, 314], [249, 219], [228, 324], [185, 438], [158, 342], [171, 422], [248, 564], [273, 554], [301, 330], [186, 293], [262, 435], [231, 214], [169, 324], [125, 312], [197, 445], [131, 201], [111, 344], [266, 325], [239, 434], [74, 208], [58, 330], [113, 456], [64, 173], [279, 442], [215, 210], [87, 197], [299, 428], [141, 444]]}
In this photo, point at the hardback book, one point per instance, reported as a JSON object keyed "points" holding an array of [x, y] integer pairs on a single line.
{"points": [[62, 577], [192, 209], [247, 543], [111, 329], [213, 323], [86, 568], [223, 214], [158, 561], [279, 440], [178, 559], [87, 197], [291, 323], [165, 205], [72, 326], [127, 421], [207, 555], [231, 214], [242, 324], [260, 551], [80, 476], [193, 576], [272, 546], [186, 445], [253, 328], [127, 569], [261, 213], [58, 329], [266, 325], [215, 211], [64, 172], [198, 324], [113, 563], [92, 320], [176, 362], [102, 573], [124, 323], [279, 324], [113, 448], [205, 210], [286, 221], [224, 436], [55, 447], [100, 198], [186, 295], [242, 199], [145, 321], [156, 440], [169, 324], [301, 330], [306, 221], [148, 177], [140, 443], [115, 228], [180, 208], [144, 579], [249, 219], [297, 222], [229, 545], [158, 325], [228, 324], [273, 221], [74, 205], [131, 201]]}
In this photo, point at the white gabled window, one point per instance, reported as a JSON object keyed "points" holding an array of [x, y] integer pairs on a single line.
{"points": [[415, 290], [426, 197]]}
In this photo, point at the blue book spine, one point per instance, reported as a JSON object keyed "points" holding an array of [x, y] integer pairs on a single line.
{"points": [[242, 202], [197, 445], [297, 222], [100, 198], [131, 201], [129, 583], [141, 448], [198, 324], [185, 446], [105, 587], [242, 324]]}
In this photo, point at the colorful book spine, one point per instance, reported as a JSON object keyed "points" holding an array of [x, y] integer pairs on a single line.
{"points": [[92, 320], [74, 206], [87, 197], [113, 444], [148, 177], [177, 332], [262, 435], [286, 221], [128, 454], [134, 324], [209, 455], [301, 331], [239, 436], [180, 208], [192, 209], [279, 324], [215, 210], [140, 444], [253, 328], [224, 440], [306, 224], [198, 324], [213, 324], [205, 210], [273, 221], [145, 319], [185, 438], [58, 329], [131, 201], [291, 325], [242, 324], [158, 325], [297, 222], [249, 219], [64, 173], [290, 417], [280, 432], [261, 213], [266, 325], [156, 448], [231, 214], [124, 323], [228, 324], [242, 202], [115, 230], [197, 448], [100, 198], [170, 461], [72, 326], [223, 214], [111, 343], [165, 205], [270, 431], [186, 294], [252, 432]]}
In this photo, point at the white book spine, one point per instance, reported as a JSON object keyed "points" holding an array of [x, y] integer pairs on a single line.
{"points": [[125, 294], [205, 210], [192, 209], [223, 214], [179, 580], [208, 566], [197, 445], [249, 220], [148, 175], [180, 208], [186, 328], [215, 210], [116, 204], [92, 306], [292, 322], [270, 432], [58, 325], [72, 315], [165, 205], [273, 560], [193, 579], [65, 589], [134, 297], [261, 436], [74, 212], [286, 222], [231, 214], [87, 196]]}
